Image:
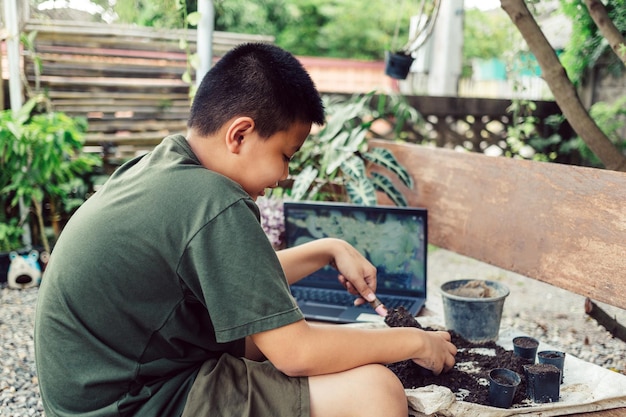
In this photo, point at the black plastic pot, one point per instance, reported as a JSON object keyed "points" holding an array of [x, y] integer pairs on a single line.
{"points": [[397, 64], [525, 347], [543, 382], [502, 385], [553, 357]]}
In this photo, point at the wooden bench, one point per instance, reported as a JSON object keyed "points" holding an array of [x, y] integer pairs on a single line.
{"points": [[560, 224]]}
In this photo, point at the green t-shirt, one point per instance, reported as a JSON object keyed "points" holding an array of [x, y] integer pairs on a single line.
{"points": [[163, 268]]}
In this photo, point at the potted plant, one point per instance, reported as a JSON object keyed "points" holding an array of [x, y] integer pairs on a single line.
{"points": [[40, 160], [398, 60], [333, 162]]}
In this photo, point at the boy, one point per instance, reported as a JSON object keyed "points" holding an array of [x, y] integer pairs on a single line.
{"points": [[163, 296]]}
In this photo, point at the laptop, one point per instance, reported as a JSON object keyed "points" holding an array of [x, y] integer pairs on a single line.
{"points": [[394, 239]]}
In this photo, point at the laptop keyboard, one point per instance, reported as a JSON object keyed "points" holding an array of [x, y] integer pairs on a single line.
{"points": [[343, 298]]}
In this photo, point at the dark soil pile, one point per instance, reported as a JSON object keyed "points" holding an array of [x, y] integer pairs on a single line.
{"points": [[471, 372]]}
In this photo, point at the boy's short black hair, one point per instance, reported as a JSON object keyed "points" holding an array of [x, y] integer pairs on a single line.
{"points": [[261, 81]]}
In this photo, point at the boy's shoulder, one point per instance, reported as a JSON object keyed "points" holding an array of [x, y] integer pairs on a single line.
{"points": [[172, 173]]}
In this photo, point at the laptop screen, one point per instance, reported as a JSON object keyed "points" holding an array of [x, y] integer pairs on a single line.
{"points": [[394, 239]]}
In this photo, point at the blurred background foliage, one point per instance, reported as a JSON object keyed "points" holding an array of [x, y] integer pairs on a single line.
{"points": [[360, 30]]}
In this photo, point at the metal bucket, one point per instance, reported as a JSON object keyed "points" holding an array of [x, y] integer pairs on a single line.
{"points": [[476, 319]]}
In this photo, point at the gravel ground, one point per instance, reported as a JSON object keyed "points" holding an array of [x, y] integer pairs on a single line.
{"points": [[19, 390], [551, 315]]}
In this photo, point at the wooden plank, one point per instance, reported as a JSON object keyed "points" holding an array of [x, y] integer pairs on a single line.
{"points": [[104, 30], [113, 82], [77, 51], [138, 126], [102, 63], [125, 71], [119, 95], [106, 105], [155, 102], [130, 33], [144, 110], [111, 118], [144, 139], [564, 225]]}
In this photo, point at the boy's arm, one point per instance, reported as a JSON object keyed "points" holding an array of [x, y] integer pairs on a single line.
{"points": [[305, 349], [355, 272]]}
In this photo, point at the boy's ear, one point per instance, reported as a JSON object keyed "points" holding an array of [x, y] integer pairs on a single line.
{"points": [[239, 129]]}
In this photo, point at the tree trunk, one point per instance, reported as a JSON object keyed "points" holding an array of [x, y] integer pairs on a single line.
{"points": [[563, 90], [598, 13]]}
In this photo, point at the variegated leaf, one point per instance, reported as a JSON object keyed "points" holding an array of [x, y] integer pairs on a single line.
{"points": [[303, 182], [385, 185], [385, 158], [361, 192], [354, 167]]}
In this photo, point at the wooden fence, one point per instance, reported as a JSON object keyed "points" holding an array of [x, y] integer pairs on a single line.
{"points": [[126, 80], [479, 125]]}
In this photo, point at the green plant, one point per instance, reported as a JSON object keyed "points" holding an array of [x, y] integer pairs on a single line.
{"points": [[522, 129], [10, 234], [524, 139], [40, 155], [611, 118], [193, 60], [333, 162], [586, 44]]}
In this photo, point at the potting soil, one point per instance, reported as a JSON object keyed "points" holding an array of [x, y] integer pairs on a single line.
{"points": [[469, 379]]}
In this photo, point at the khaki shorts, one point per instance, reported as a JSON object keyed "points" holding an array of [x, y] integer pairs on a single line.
{"points": [[236, 387]]}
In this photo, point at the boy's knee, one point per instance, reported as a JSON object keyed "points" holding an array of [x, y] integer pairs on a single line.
{"points": [[385, 391], [385, 380], [334, 394]]}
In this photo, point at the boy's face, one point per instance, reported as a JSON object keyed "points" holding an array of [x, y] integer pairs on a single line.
{"points": [[264, 162]]}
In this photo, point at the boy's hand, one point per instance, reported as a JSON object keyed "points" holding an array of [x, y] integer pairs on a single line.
{"points": [[438, 352], [356, 273]]}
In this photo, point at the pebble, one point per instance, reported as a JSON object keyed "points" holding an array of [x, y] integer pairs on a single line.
{"points": [[19, 389], [590, 342]]}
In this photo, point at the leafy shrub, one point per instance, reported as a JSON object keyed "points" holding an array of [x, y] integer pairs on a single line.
{"points": [[333, 162]]}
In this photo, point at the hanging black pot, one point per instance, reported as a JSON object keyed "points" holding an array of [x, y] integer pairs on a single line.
{"points": [[397, 64]]}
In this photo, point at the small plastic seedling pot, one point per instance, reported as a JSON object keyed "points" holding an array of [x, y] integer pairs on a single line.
{"points": [[553, 357], [525, 347], [543, 382], [502, 385]]}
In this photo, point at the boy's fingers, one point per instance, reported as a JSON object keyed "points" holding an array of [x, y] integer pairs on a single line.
{"points": [[363, 287], [359, 301], [352, 289], [365, 291]]}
